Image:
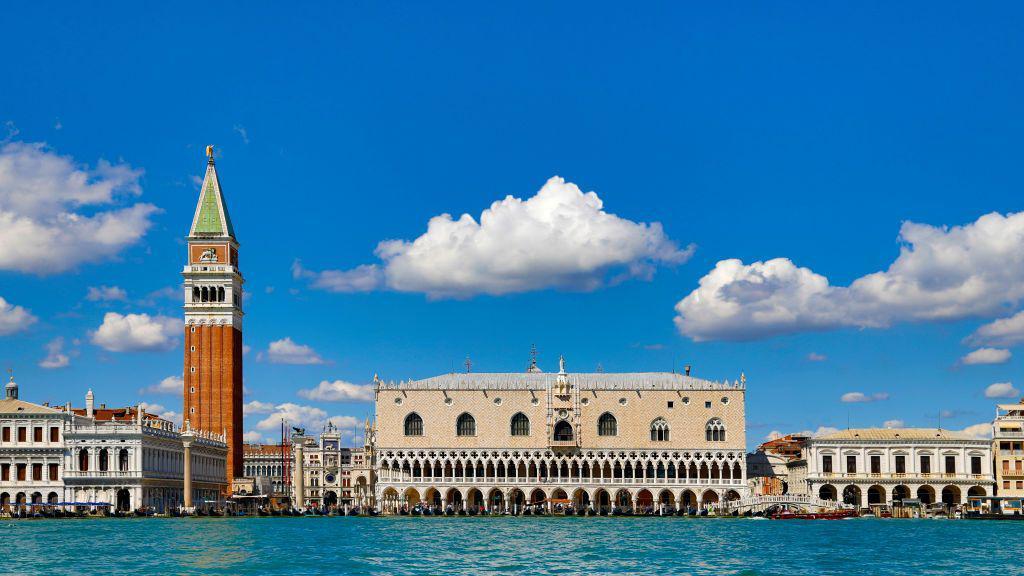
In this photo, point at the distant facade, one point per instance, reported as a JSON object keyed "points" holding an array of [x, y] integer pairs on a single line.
{"points": [[502, 441], [88, 456], [867, 467], [770, 466], [332, 475], [268, 466], [1008, 449], [213, 323]]}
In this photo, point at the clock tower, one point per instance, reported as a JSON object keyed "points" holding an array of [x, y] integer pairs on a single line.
{"points": [[213, 322]]}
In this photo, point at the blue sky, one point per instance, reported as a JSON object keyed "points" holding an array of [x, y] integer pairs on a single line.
{"points": [[754, 131]]}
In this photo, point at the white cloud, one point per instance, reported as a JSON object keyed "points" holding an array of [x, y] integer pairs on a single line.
{"points": [[981, 431], [1001, 390], [257, 407], [14, 318], [365, 278], [940, 274], [774, 435], [136, 332], [986, 356], [894, 424], [852, 397], [285, 351], [105, 294], [821, 431], [309, 417], [1001, 332], [55, 356], [52, 215], [252, 436], [338, 391], [162, 412], [169, 385], [559, 238], [242, 132], [246, 348], [815, 357]]}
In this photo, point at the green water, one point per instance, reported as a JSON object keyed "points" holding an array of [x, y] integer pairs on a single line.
{"points": [[405, 545]]}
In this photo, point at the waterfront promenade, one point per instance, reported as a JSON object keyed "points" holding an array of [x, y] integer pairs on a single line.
{"points": [[414, 546]]}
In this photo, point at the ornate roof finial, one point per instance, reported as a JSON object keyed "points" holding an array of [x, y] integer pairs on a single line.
{"points": [[209, 153], [561, 364], [469, 364], [533, 359], [11, 389]]}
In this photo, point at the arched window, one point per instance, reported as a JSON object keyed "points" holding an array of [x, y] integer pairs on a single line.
{"points": [[715, 430], [563, 431], [104, 461], [195, 294], [465, 425], [520, 425], [205, 294], [122, 460], [607, 425], [83, 460], [659, 430], [220, 294], [413, 425]]}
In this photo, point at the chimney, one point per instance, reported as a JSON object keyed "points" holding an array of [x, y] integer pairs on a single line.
{"points": [[686, 369], [89, 404]]}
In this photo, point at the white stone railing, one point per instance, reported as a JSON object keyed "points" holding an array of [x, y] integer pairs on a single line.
{"points": [[803, 499]]}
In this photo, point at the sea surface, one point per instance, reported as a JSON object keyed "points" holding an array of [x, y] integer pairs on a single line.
{"points": [[465, 545]]}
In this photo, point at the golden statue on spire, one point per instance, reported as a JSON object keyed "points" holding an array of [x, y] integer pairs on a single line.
{"points": [[209, 152]]}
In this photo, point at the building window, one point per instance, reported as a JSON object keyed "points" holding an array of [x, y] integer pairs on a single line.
{"points": [[53, 472], [607, 425], [122, 460], [851, 464], [520, 425], [465, 425], [714, 430], [83, 460], [926, 465], [826, 464], [707, 404], [876, 464], [975, 464], [563, 431], [37, 472], [901, 464], [659, 430], [5, 472], [6, 437], [950, 464], [413, 425], [54, 434], [21, 472], [670, 404], [37, 434], [22, 433], [104, 460]]}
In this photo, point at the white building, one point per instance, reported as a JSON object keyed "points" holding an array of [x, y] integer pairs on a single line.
{"points": [[866, 467], [122, 457]]}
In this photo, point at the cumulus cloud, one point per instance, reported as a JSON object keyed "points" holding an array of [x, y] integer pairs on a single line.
{"points": [[338, 391], [860, 397], [309, 417], [986, 356], [252, 436], [559, 238], [815, 357], [169, 385], [285, 351], [14, 318], [981, 431], [162, 412], [774, 435], [894, 424], [940, 274], [257, 407], [1002, 332], [136, 332], [105, 294], [55, 356], [1001, 390], [56, 214]]}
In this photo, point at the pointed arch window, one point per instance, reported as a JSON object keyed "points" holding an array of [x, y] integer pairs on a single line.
{"points": [[659, 430], [413, 425], [465, 425], [520, 425], [607, 425], [714, 431], [563, 431]]}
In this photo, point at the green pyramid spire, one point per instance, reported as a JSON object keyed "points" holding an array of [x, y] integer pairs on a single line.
{"points": [[211, 217]]}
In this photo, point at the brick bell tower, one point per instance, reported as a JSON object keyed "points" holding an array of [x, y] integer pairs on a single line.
{"points": [[213, 322]]}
